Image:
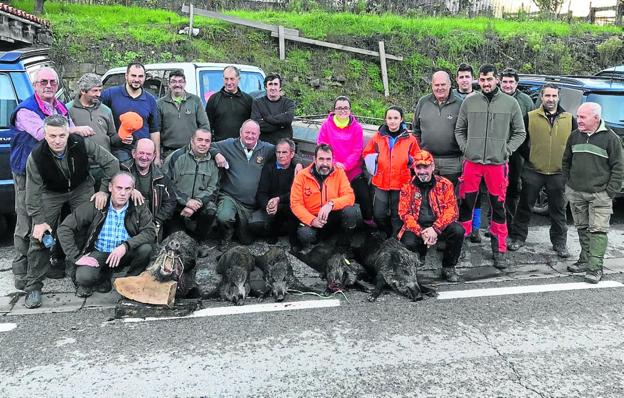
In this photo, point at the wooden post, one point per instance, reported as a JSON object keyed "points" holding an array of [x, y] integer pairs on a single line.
{"points": [[384, 69], [592, 14], [191, 21], [282, 42], [619, 12]]}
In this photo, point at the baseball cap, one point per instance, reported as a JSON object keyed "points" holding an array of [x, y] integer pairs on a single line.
{"points": [[422, 158], [130, 122]]}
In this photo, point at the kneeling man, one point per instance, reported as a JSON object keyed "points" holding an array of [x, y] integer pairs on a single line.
{"points": [[428, 209]]}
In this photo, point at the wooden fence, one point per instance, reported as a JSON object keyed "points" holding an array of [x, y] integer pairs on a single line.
{"points": [[596, 14]]}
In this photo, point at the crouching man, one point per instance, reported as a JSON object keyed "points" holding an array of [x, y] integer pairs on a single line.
{"points": [[322, 199], [428, 209], [120, 235]]}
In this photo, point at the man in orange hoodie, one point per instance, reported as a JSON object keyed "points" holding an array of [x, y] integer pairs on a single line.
{"points": [[321, 198]]}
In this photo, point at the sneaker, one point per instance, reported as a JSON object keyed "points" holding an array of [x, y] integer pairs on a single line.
{"points": [[562, 251], [593, 276], [577, 268], [475, 236], [515, 245], [105, 287], [33, 299], [84, 291], [500, 260], [450, 274]]}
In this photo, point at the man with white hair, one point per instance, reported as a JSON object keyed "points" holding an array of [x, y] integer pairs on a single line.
{"points": [[594, 170]]}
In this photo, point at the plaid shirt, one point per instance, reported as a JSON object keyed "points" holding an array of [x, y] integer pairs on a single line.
{"points": [[113, 231]]}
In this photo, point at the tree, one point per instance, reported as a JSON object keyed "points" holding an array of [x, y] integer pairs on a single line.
{"points": [[39, 7], [549, 6]]}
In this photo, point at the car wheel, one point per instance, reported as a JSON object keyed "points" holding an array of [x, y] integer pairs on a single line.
{"points": [[541, 204]]}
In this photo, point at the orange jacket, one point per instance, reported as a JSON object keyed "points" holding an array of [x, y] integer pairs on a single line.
{"points": [[392, 166], [441, 199], [307, 196]]}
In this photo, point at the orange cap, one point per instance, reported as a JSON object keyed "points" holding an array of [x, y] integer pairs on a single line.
{"points": [[423, 157], [130, 122]]}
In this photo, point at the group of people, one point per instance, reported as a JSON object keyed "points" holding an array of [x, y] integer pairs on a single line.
{"points": [[102, 179]]}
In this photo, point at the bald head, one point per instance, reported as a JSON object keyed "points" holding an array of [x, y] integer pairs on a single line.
{"points": [[441, 85], [588, 117], [143, 155]]}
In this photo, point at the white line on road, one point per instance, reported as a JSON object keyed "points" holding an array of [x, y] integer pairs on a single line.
{"points": [[7, 327], [500, 291], [246, 309]]}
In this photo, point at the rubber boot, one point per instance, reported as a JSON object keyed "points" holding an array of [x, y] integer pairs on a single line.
{"points": [[581, 264], [597, 249], [500, 259]]}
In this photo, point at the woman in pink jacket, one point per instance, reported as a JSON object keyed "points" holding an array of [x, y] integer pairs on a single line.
{"points": [[344, 134]]}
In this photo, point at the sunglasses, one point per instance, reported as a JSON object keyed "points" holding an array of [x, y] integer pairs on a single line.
{"points": [[46, 82]]}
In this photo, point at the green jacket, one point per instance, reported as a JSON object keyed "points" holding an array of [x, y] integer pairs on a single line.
{"points": [[525, 102], [192, 178], [178, 123], [594, 163], [547, 142], [434, 125], [100, 118], [86, 217], [489, 131]]}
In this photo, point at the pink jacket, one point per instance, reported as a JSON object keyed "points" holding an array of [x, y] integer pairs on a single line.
{"points": [[347, 144]]}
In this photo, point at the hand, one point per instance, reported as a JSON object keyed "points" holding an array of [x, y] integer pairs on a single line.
{"points": [[128, 140], [158, 161], [100, 199], [316, 223], [221, 162], [323, 214], [88, 261], [194, 204], [298, 168], [339, 165], [272, 205], [40, 229], [115, 257], [430, 236], [137, 197], [187, 212]]}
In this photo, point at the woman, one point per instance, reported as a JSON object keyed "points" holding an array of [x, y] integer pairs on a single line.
{"points": [[344, 134], [388, 157]]}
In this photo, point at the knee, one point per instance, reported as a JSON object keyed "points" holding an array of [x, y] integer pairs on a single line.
{"points": [[143, 252], [306, 235], [410, 240], [87, 276], [351, 216], [455, 231]]}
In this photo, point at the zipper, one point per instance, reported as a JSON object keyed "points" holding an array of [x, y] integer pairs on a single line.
{"points": [[487, 124]]}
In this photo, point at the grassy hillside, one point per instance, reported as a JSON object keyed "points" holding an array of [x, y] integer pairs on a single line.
{"points": [[116, 35]]}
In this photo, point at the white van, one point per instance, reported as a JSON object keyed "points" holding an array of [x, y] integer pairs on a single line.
{"points": [[202, 78]]}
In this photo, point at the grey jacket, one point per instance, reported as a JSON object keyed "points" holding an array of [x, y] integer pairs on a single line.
{"points": [[434, 125], [100, 118]]}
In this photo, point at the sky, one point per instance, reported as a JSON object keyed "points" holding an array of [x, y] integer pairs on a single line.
{"points": [[580, 8]]}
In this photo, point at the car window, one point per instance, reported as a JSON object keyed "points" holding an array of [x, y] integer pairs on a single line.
{"points": [[211, 81], [114, 80], [570, 99], [612, 109], [8, 100]]}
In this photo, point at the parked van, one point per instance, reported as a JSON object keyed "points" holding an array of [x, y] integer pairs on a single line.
{"points": [[202, 78]]}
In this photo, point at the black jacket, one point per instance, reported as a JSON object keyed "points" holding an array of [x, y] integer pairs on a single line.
{"points": [[163, 198], [227, 112], [275, 182]]}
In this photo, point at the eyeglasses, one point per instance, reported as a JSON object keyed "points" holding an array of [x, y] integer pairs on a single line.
{"points": [[45, 82], [342, 108], [177, 81]]}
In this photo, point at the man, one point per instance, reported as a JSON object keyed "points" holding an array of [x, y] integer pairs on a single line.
{"points": [[273, 112], [180, 114], [489, 129], [435, 116], [242, 159], [131, 97], [548, 129], [121, 234], [229, 108], [27, 128], [463, 78], [509, 85], [593, 169], [152, 187], [57, 173], [428, 209], [322, 199], [87, 110], [195, 176], [273, 195]]}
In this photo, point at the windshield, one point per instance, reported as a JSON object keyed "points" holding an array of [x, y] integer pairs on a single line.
{"points": [[211, 81], [612, 108]]}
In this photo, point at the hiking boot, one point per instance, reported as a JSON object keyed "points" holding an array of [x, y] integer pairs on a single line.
{"points": [[450, 274], [33, 299], [515, 245], [84, 291], [105, 287], [475, 236], [593, 276], [577, 267], [500, 260], [562, 251]]}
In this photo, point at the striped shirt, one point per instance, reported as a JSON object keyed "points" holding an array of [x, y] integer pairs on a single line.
{"points": [[113, 231]]}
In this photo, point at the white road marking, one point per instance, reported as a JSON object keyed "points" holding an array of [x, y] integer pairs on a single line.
{"points": [[247, 309], [7, 327], [500, 291]]}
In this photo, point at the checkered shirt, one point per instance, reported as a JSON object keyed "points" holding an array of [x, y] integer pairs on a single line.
{"points": [[113, 231]]}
